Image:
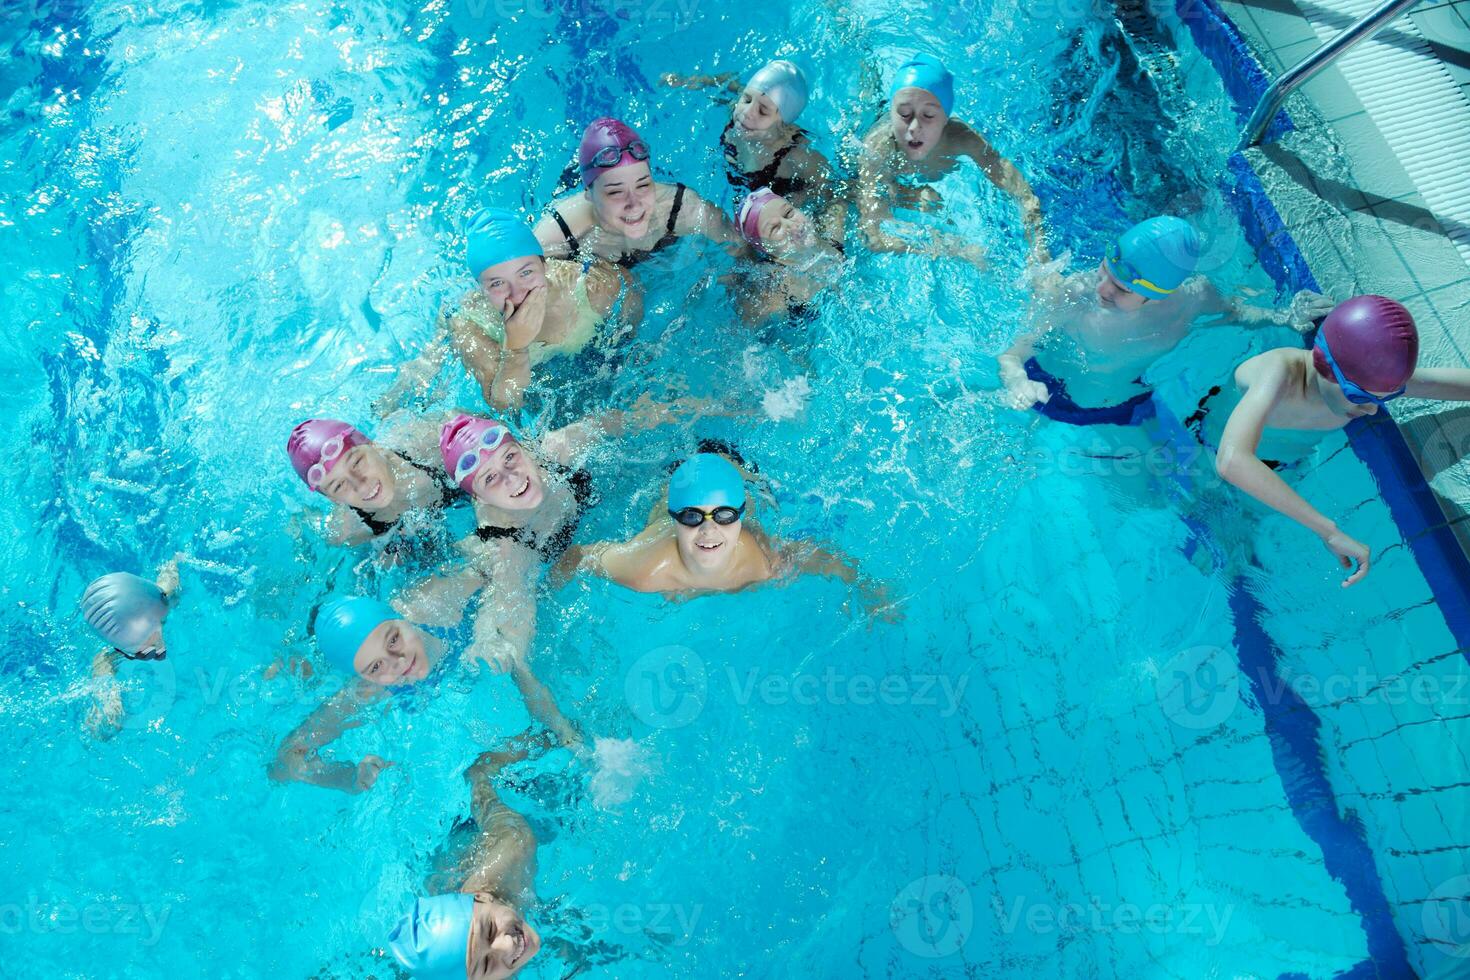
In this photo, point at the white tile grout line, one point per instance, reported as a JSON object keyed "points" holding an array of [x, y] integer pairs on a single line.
{"points": [[1423, 114]]}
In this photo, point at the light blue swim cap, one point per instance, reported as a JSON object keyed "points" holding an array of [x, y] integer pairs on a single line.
{"points": [[433, 939], [344, 622], [495, 235], [784, 84], [706, 480], [1153, 257], [124, 609], [928, 73]]}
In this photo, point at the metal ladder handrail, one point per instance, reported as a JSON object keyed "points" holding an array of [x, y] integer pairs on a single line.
{"points": [[1301, 73]]}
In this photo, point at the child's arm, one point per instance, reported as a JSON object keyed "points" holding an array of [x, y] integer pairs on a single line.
{"points": [[105, 716], [298, 759], [440, 600], [543, 707], [875, 185], [728, 81], [699, 217], [414, 376], [1305, 307], [1004, 175], [1237, 463], [1445, 384], [571, 441], [505, 620], [814, 558]]}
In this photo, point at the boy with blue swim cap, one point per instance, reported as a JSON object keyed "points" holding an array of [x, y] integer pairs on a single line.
{"points": [[1102, 330], [921, 141]]}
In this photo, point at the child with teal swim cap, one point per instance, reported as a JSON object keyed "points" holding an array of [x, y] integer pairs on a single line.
{"points": [[1099, 331], [525, 310], [699, 540], [921, 141]]}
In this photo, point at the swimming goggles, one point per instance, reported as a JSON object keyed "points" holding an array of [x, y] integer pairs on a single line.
{"points": [[609, 156], [694, 516], [469, 460], [1127, 273], [1353, 391], [331, 449]]}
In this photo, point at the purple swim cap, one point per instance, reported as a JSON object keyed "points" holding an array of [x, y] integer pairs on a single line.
{"points": [[315, 446], [750, 213], [602, 134], [1374, 341]]}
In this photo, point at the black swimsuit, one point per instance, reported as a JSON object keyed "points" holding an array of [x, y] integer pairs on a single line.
{"points": [[766, 176], [447, 496], [630, 259], [554, 546]]}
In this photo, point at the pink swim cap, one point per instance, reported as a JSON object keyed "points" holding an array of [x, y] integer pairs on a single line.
{"points": [[310, 438], [1373, 340], [601, 134], [466, 438], [750, 213]]}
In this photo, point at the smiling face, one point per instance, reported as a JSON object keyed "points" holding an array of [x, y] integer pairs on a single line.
{"points": [[918, 122], [509, 478], [783, 228], [361, 478], [392, 654], [501, 941], [507, 283], [622, 199], [1113, 295], [708, 548], [754, 114]]}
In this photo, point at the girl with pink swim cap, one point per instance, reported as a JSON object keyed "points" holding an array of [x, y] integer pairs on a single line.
{"points": [[623, 214], [372, 487], [1365, 355], [799, 262]]}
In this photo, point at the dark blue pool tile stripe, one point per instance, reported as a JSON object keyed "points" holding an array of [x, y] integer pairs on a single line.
{"points": [[1220, 41]]}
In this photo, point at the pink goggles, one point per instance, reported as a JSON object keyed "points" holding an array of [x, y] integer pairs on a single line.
{"points": [[332, 450], [470, 459]]}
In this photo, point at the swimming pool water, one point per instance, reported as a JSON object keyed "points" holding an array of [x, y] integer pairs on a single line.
{"points": [[220, 218]]}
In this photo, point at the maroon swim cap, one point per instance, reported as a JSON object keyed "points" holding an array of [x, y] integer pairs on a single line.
{"points": [[601, 134], [1374, 342]]}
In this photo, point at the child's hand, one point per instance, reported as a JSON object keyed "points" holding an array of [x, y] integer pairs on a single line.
{"points": [[1348, 550], [1306, 306], [523, 323], [1022, 392], [368, 770]]}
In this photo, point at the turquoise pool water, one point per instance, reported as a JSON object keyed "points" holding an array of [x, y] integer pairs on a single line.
{"points": [[220, 218]]}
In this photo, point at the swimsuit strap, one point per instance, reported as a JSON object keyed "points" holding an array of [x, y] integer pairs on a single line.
{"points": [[556, 544], [379, 528], [566, 231]]}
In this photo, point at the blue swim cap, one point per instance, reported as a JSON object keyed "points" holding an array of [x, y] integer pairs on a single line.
{"points": [[495, 235], [706, 480], [1153, 257], [344, 622], [433, 939], [124, 609], [928, 73]]}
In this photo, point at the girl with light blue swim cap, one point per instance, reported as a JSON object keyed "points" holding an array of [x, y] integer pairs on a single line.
{"points": [[525, 310], [127, 612], [922, 141], [1104, 329], [700, 541]]}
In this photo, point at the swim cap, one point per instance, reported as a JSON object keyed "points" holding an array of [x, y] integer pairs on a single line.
{"points": [[495, 235], [601, 134], [433, 939], [784, 84], [308, 440], [124, 609], [928, 73], [1153, 257], [1374, 341], [706, 480], [344, 622], [750, 213], [466, 434]]}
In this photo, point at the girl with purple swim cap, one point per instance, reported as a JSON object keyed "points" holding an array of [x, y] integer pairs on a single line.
{"points": [[1364, 356], [372, 487], [622, 214], [799, 262], [763, 146], [920, 140]]}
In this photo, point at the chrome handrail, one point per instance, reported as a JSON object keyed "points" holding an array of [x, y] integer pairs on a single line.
{"points": [[1298, 75]]}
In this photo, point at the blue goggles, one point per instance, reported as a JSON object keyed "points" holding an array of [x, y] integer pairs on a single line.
{"points": [[1353, 391]]}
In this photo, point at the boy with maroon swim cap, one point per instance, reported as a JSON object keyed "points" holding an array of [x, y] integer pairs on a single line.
{"points": [[1364, 356]]}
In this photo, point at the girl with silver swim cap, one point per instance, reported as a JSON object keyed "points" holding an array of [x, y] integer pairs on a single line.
{"points": [[128, 612], [699, 541], [526, 309], [623, 214], [922, 141]]}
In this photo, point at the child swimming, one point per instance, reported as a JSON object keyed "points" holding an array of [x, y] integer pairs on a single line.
{"points": [[623, 214], [798, 262], [1364, 356], [1102, 330], [921, 141], [127, 611], [526, 310], [704, 544]]}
